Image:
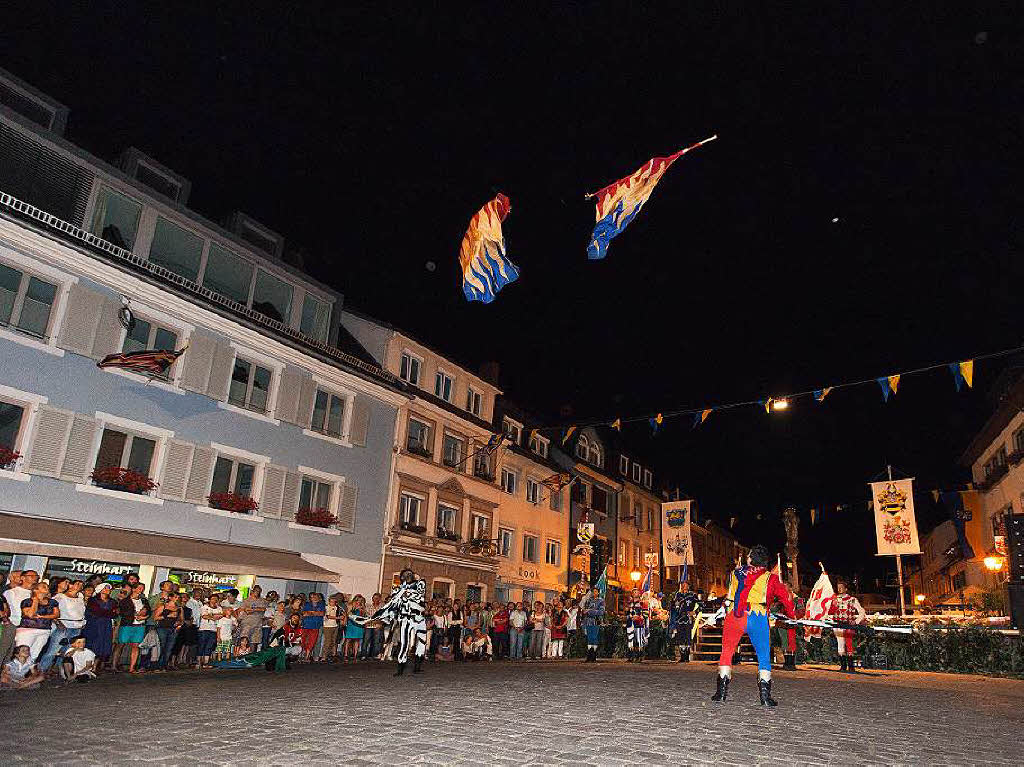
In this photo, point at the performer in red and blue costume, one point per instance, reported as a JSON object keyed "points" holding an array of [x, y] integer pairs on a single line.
{"points": [[751, 590]]}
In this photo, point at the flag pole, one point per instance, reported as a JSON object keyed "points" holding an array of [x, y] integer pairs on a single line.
{"points": [[899, 566], [680, 153]]}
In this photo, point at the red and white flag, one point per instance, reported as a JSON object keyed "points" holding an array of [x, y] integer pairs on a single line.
{"points": [[819, 603]]}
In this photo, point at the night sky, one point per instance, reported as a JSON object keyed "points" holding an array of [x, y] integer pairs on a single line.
{"points": [[369, 135]]}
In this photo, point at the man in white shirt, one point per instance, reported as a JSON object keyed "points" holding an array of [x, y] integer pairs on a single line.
{"points": [[70, 625], [20, 592], [517, 622]]}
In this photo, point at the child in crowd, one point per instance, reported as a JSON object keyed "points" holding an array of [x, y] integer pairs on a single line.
{"points": [[331, 612], [444, 652], [21, 673], [225, 632], [209, 614], [242, 648], [79, 662]]}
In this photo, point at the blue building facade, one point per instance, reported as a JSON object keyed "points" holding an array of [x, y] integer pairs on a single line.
{"points": [[263, 455]]}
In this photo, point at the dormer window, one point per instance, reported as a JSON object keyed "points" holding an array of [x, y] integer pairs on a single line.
{"points": [[636, 472], [582, 448], [251, 231], [590, 451], [443, 386], [513, 429], [409, 370], [157, 177], [474, 401], [539, 445], [623, 465], [647, 478], [22, 98]]}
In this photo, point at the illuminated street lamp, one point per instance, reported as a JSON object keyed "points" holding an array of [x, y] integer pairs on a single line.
{"points": [[994, 563], [919, 599], [635, 576], [780, 404]]}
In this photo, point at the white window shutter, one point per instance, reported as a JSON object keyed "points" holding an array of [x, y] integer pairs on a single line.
{"points": [[290, 495], [177, 465], [306, 398], [197, 361], [201, 475], [220, 371], [347, 507], [46, 454], [108, 331], [288, 392], [76, 466], [82, 317], [273, 490], [360, 421]]}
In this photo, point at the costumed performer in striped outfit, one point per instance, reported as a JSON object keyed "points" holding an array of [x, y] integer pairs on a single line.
{"points": [[637, 628], [405, 614]]}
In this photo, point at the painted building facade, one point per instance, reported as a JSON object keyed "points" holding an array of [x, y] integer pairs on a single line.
{"points": [[270, 403]]}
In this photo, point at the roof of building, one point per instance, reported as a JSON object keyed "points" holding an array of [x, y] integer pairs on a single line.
{"points": [[1009, 395]]}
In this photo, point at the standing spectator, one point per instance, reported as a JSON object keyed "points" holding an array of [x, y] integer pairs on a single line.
{"points": [[79, 662], [540, 621], [38, 614], [312, 623], [187, 639], [268, 616], [499, 630], [353, 631], [373, 632], [517, 621], [455, 623], [20, 589], [58, 585], [549, 610], [572, 612], [209, 614], [250, 616], [168, 617], [473, 618], [331, 629], [440, 629], [7, 629], [100, 611], [559, 621], [68, 626], [134, 611], [226, 624], [487, 619], [21, 673]]}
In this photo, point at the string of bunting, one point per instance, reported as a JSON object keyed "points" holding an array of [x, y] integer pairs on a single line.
{"points": [[962, 372]]}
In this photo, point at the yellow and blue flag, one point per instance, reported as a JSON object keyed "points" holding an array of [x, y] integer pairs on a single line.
{"points": [[485, 267], [620, 202]]}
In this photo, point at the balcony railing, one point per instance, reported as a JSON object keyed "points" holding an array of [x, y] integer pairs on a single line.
{"points": [[416, 448], [483, 472]]}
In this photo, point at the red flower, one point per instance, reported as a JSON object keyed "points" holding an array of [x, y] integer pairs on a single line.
{"points": [[241, 504], [8, 456], [318, 517], [123, 479]]}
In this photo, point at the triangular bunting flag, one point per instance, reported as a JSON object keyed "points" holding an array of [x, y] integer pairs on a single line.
{"points": [[894, 382], [967, 371], [568, 433], [820, 394], [814, 514], [935, 495], [655, 423], [617, 424], [958, 377], [886, 387], [704, 414], [767, 404], [696, 420]]}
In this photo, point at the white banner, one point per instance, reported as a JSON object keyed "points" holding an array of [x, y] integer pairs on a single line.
{"points": [[675, 534], [895, 523]]}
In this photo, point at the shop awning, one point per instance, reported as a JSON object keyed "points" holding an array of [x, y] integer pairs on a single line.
{"points": [[52, 537]]}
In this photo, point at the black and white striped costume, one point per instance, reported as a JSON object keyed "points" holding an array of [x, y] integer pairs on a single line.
{"points": [[404, 613], [637, 628]]}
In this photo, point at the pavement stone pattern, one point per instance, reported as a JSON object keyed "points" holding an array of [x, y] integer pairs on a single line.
{"points": [[527, 713]]}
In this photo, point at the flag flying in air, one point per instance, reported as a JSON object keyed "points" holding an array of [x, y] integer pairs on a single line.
{"points": [[485, 267], [819, 603], [556, 482], [620, 202], [147, 362], [602, 583]]}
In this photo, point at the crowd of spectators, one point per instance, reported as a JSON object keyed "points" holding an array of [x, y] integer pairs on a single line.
{"points": [[71, 630]]}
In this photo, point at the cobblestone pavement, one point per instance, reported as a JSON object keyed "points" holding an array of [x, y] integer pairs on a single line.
{"points": [[610, 713]]}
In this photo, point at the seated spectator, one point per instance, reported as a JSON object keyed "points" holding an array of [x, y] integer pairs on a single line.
{"points": [[480, 645], [21, 673], [78, 661], [444, 652], [467, 648], [292, 633], [242, 647]]}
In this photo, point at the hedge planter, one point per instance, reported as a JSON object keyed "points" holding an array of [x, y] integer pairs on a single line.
{"points": [[122, 480], [239, 504], [8, 458], [315, 518]]}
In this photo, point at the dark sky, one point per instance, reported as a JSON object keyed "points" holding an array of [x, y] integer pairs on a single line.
{"points": [[370, 133]]}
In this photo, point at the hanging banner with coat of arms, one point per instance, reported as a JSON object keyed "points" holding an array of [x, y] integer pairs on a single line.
{"points": [[675, 533], [895, 524]]}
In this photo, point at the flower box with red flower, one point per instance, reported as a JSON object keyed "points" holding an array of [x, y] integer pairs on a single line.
{"points": [[315, 517], [8, 457], [236, 502], [123, 480]]}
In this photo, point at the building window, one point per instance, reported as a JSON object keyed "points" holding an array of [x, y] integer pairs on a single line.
{"points": [[582, 448], [480, 527], [501, 595], [529, 548], [508, 481], [120, 449], [26, 302], [144, 334], [650, 518], [443, 386], [623, 548], [539, 445], [447, 517], [418, 438], [532, 490], [599, 499], [528, 598], [505, 538], [441, 589], [638, 515], [647, 478], [581, 491], [272, 297], [12, 417], [409, 371], [623, 465], [553, 553], [513, 429], [410, 509], [482, 462], [638, 557], [116, 219], [636, 473], [250, 386], [474, 401], [227, 274], [328, 413], [315, 494], [452, 451], [959, 580], [1018, 441], [555, 500], [231, 475], [316, 315], [176, 249]]}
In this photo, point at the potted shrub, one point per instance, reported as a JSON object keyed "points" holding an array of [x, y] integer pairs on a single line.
{"points": [[317, 517], [8, 457], [124, 480], [420, 529], [236, 502], [447, 535]]}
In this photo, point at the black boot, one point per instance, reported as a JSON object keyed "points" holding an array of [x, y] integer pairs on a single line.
{"points": [[685, 655], [400, 670], [851, 666], [417, 665], [843, 663], [722, 692], [790, 664], [764, 690]]}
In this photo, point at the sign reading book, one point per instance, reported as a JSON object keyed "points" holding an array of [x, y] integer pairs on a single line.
{"points": [[895, 523], [675, 533]]}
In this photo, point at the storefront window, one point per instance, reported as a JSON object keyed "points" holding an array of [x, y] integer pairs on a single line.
{"points": [[190, 579], [82, 569]]}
